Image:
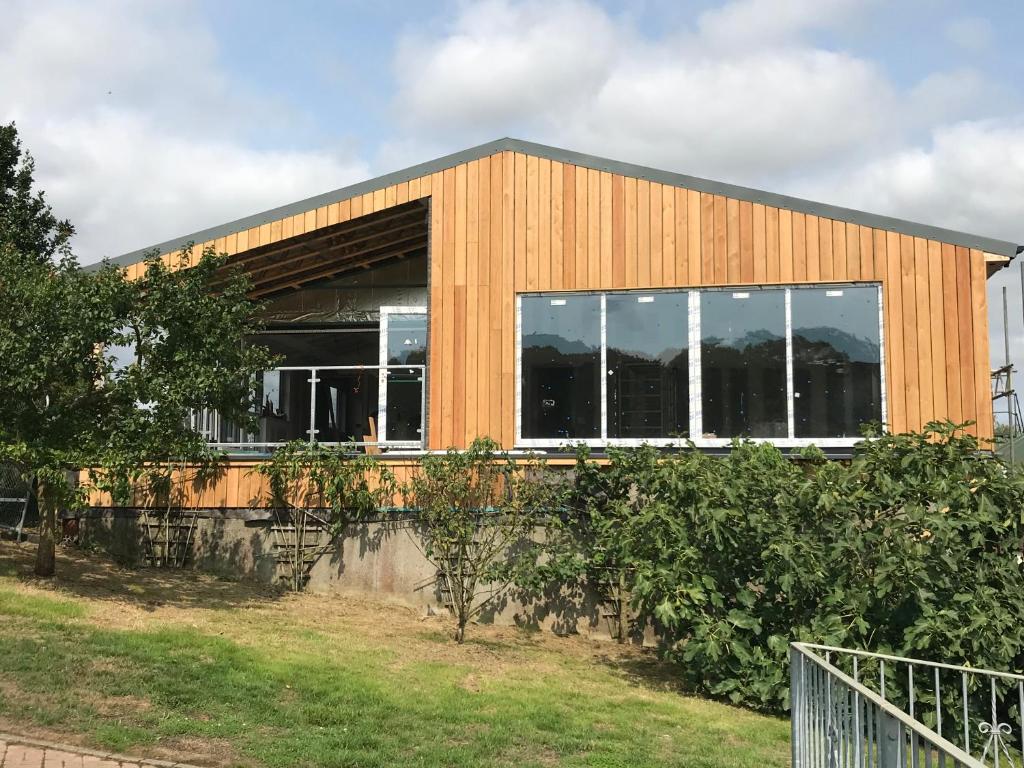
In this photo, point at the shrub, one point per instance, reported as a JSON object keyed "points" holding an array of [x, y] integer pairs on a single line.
{"points": [[913, 547]]}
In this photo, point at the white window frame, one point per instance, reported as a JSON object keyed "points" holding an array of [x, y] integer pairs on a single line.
{"points": [[382, 381], [694, 356]]}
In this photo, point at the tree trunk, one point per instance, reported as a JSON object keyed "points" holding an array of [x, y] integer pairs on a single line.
{"points": [[623, 619], [46, 554]]}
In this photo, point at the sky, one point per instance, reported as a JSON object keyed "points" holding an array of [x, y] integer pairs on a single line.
{"points": [[150, 120]]}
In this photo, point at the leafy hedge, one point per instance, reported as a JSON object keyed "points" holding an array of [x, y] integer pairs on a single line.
{"points": [[913, 547]]}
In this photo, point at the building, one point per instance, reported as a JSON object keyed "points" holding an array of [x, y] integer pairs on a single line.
{"points": [[543, 297]]}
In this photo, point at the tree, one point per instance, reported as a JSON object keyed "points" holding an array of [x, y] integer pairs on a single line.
{"points": [[322, 488], [68, 404], [477, 510]]}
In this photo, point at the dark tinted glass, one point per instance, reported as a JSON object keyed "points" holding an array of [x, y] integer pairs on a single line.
{"points": [[648, 374], [743, 363], [837, 369], [405, 404], [407, 339], [561, 358]]}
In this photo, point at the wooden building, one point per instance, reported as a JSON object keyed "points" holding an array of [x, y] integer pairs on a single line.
{"points": [[544, 297]]}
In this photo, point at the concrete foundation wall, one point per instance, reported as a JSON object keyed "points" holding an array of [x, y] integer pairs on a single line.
{"points": [[382, 558]]}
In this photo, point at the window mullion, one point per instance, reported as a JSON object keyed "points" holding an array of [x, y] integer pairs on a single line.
{"points": [[881, 361], [604, 368], [693, 328], [790, 396]]}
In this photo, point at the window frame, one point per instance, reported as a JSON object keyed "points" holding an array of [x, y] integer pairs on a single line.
{"points": [[382, 381], [695, 378]]}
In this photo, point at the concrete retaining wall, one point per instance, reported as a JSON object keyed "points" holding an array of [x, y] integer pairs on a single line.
{"points": [[381, 558]]}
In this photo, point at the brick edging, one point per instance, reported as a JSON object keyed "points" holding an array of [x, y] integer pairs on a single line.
{"points": [[11, 738]]}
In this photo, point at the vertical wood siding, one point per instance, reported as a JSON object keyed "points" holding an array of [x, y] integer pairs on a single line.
{"points": [[512, 222]]}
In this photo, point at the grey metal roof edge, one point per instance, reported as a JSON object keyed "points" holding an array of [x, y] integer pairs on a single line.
{"points": [[801, 205], [825, 210]]}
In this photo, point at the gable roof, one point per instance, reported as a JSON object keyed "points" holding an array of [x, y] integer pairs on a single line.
{"points": [[991, 245]]}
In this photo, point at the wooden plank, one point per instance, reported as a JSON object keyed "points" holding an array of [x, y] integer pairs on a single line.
{"points": [[911, 343], [606, 229], [813, 244], [771, 239], [826, 268], [557, 225], [630, 242], [733, 262], [521, 207], [483, 314], [496, 400], [379, 200], [544, 225], [854, 258], [414, 189], [682, 225], [390, 196], [643, 233], [840, 270], [786, 246], [569, 226], [668, 235], [459, 393], [937, 329], [707, 237], [618, 232], [356, 206], [321, 217], [593, 228], [310, 219], [470, 328], [508, 319], [656, 244], [721, 267], [580, 275], [759, 248], [435, 340], [532, 235], [401, 193], [951, 337], [965, 329], [926, 371], [448, 312], [694, 234], [888, 249], [982, 361]]}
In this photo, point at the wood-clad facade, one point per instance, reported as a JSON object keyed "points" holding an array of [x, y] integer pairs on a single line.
{"points": [[510, 222]]}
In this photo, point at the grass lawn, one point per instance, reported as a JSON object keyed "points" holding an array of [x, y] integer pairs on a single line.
{"points": [[179, 665]]}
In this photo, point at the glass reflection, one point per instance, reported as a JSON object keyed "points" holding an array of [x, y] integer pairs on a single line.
{"points": [[648, 376], [837, 369], [743, 363], [561, 360]]}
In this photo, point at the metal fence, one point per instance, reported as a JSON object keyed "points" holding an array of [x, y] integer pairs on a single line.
{"points": [[855, 708], [15, 501]]}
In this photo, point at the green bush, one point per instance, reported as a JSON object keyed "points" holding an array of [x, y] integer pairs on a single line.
{"points": [[913, 547]]}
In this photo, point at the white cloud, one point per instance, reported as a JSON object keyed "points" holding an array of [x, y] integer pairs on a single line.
{"points": [[725, 98], [138, 133], [969, 177]]}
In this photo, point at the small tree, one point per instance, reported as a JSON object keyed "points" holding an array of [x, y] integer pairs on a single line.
{"points": [[67, 404], [478, 509], [329, 487]]}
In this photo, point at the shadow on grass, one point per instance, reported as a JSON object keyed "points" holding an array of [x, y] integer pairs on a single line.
{"points": [[97, 577]]}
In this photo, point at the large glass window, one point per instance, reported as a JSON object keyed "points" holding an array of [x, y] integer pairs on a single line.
{"points": [[648, 365], [743, 363], [560, 367], [797, 364], [837, 361]]}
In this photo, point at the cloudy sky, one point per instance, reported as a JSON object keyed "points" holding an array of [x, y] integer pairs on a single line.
{"points": [[153, 119]]}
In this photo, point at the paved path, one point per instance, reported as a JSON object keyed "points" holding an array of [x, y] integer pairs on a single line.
{"points": [[19, 752]]}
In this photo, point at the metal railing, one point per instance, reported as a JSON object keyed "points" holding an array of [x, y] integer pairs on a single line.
{"points": [[15, 497], [222, 434], [855, 708]]}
